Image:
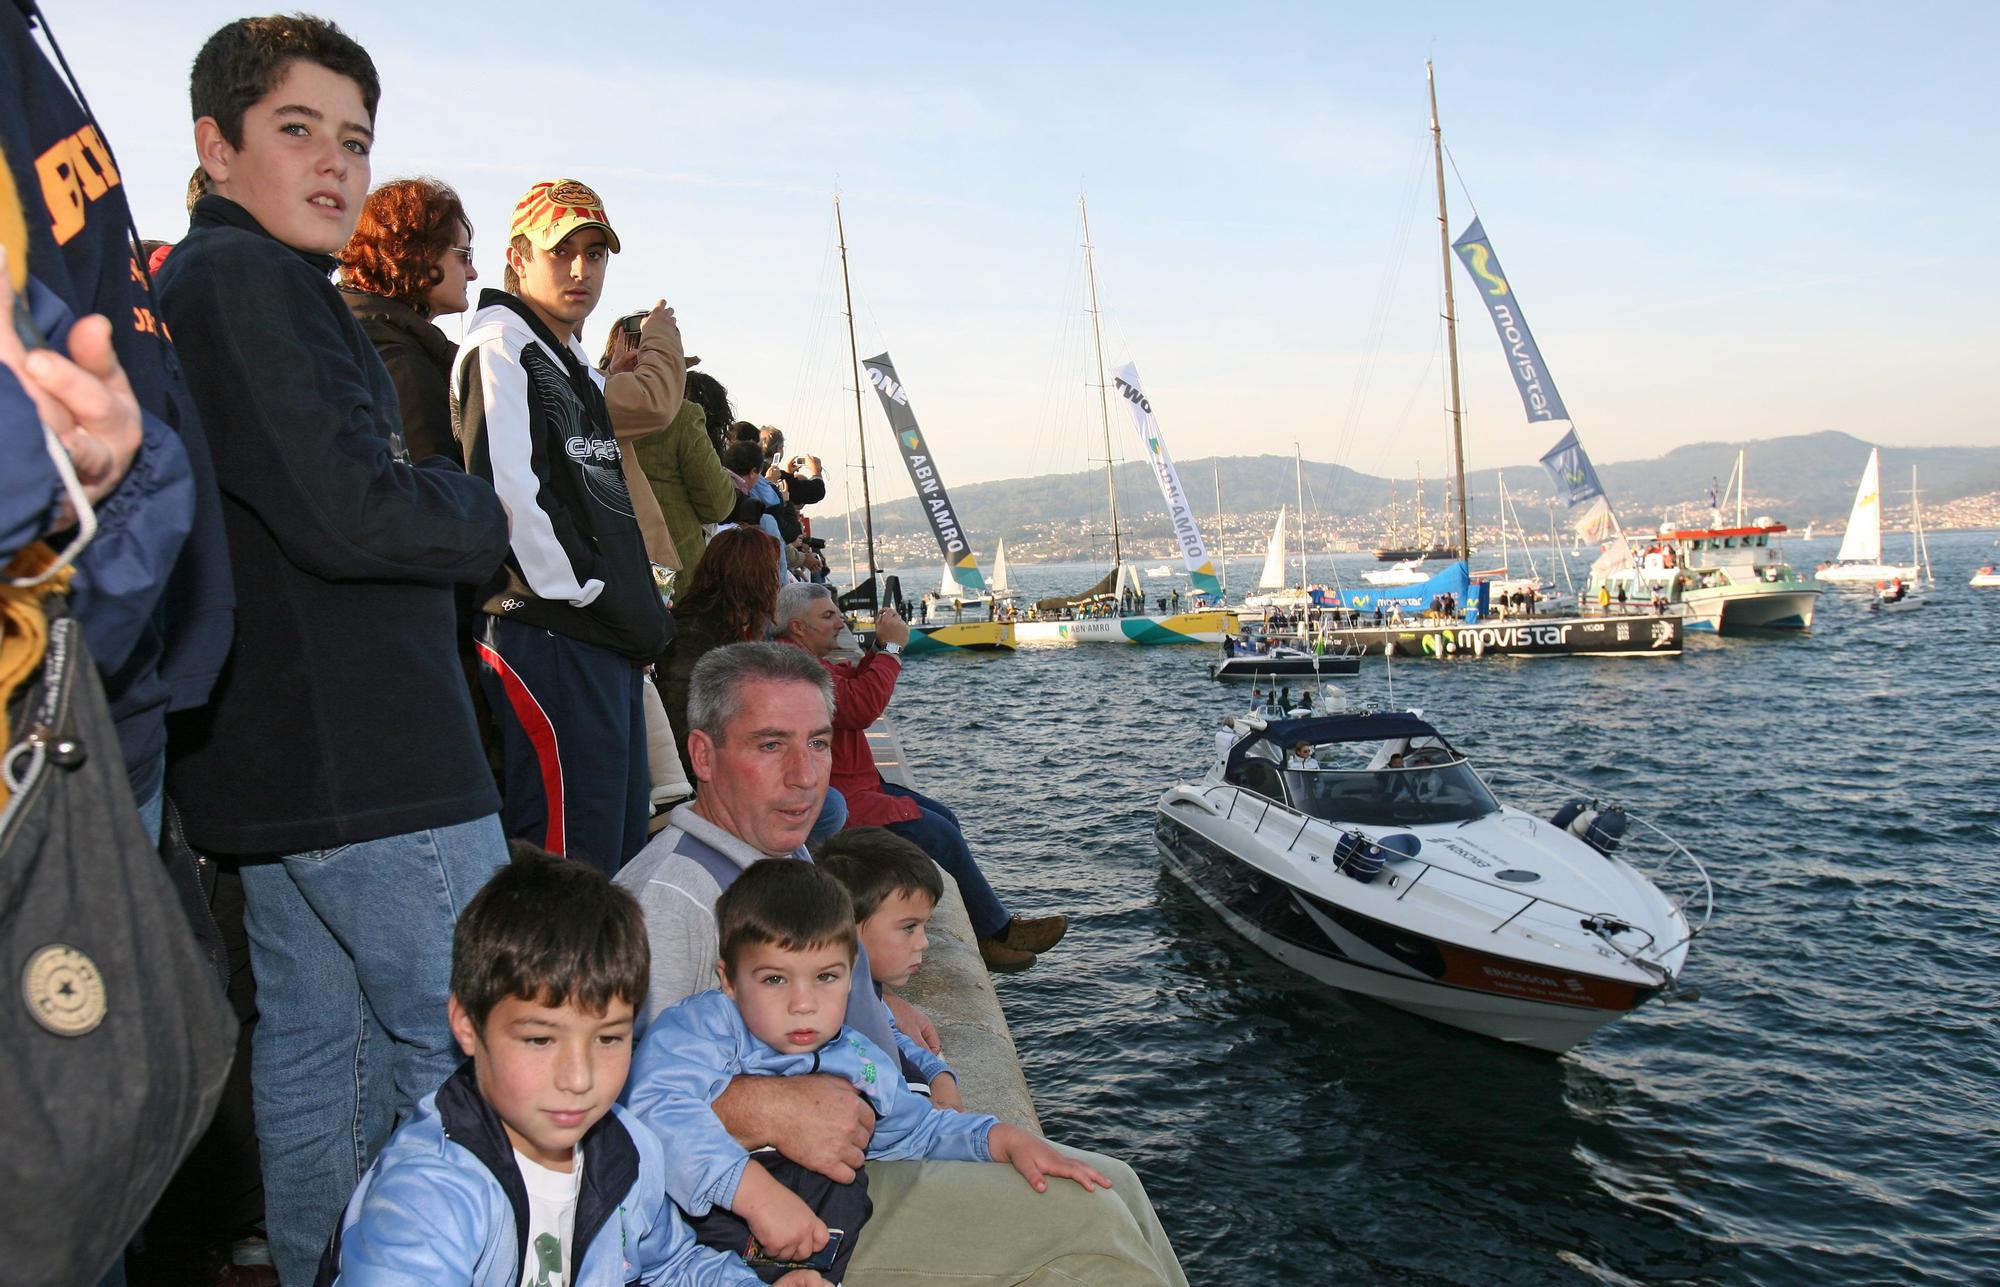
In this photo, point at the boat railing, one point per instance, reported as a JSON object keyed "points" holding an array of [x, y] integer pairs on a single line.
{"points": [[1673, 868], [1605, 925]]}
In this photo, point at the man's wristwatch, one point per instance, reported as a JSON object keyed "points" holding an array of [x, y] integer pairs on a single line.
{"points": [[893, 649]]}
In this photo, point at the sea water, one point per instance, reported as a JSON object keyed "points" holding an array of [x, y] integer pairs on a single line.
{"points": [[1826, 1112]]}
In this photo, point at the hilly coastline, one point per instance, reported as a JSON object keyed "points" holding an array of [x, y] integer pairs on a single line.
{"points": [[1806, 478]]}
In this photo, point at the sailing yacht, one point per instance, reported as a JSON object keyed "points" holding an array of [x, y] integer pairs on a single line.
{"points": [[1098, 615], [1860, 558]]}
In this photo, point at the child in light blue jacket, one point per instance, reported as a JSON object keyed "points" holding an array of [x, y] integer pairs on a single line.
{"points": [[787, 939], [521, 1169]]}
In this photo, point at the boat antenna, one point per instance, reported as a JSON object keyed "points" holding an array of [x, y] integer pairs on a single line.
{"points": [[1103, 403], [854, 358], [1450, 316]]}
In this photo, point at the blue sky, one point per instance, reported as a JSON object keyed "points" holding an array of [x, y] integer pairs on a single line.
{"points": [[1724, 221]]}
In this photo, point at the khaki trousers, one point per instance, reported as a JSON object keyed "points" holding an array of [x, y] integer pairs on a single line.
{"points": [[961, 1224]]}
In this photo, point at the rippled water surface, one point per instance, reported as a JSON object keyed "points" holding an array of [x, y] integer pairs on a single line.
{"points": [[1826, 1111]]}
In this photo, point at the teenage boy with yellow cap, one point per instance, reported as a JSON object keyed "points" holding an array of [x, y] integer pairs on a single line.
{"points": [[573, 614]]}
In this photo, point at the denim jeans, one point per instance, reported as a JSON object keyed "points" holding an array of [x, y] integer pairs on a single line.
{"points": [[937, 833], [351, 948], [832, 817]]}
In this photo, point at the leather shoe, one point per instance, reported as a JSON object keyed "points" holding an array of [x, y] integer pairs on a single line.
{"points": [[1002, 959], [1035, 934]]}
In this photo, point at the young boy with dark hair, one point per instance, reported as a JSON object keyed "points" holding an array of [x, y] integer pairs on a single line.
{"points": [[522, 1169], [895, 887], [338, 756], [574, 614], [787, 940]]}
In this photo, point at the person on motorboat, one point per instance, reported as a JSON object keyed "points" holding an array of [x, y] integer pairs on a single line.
{"points": [[1302, 758]]}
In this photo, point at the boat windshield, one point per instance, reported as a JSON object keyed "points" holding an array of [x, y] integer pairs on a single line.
{"points": [[1445, 792]]}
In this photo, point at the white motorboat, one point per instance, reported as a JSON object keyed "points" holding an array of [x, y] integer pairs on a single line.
{"points": [[1159, 573], [1985, 579], [1408, 572], [1283, 661], [1383, 865], [1897, 596]]}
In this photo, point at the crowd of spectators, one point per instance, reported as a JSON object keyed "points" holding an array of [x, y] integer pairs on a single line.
{"points": [[410, 649]]}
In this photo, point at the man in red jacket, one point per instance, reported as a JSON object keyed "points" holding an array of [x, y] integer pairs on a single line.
{"points": [[808, 616]]}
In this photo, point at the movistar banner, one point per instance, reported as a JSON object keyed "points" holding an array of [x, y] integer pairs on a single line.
{"points": [[1538, 391], [917, 459], [1201, 570], [1575, 479], [1455, 580]]}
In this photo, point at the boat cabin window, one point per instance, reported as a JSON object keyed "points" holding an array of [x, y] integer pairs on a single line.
{"points": [[1259, 775], [1432, 784]]}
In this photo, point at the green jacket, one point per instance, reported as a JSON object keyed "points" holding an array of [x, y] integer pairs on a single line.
{"points": [[688, 481]]}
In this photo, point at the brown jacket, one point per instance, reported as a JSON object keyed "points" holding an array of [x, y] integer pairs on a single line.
{"points": [[643, 402]]}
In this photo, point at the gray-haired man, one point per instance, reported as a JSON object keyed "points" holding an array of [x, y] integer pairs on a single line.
{"points": [[760, 738]]}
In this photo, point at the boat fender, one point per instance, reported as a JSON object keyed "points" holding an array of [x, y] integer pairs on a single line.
{"points": [[1478, 645], [1607, 830], [1359, 857], [1568, 813]]}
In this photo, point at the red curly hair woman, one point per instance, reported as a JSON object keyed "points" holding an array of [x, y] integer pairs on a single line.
{"points": [[408, 263]]}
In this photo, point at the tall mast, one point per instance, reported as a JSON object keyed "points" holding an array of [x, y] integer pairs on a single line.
{"points": [[1450, 316], [1215, 472], [854, 358], [1103, 404], [1299, 486]]}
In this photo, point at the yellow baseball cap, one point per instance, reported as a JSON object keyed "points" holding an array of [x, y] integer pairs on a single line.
{"points": [[554, 209]]}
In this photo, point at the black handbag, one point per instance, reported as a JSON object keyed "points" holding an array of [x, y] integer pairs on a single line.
{"points": [[115, 1038]]}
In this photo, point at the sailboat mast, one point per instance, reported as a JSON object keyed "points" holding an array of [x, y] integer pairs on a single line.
{"points": [[1299, 485], [1742, 485], [854, 358], [1103, 403], [1215, 472], [1450, 315]]}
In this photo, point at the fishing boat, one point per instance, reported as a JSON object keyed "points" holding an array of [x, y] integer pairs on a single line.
{"points": [[1379, 862], [1725, 578], [1859, 561]]}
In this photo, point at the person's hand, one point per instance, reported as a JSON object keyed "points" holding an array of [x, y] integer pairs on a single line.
{"points": [[660, 324], [813, 467], [803, 1278], [1035, 1158], [818, 1120], [624, 354], [85, 398], [914, 1022], [944, 1093], [890, 628], [784, 1226]]}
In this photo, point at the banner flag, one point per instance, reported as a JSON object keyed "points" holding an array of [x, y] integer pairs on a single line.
{"points": [[1594, 522], [1570, 468], [1538, 391], [922, 465], [1455, 580], [1201, 569]]}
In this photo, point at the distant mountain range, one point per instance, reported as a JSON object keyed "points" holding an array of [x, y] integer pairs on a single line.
{"points": [[1799, 479]]}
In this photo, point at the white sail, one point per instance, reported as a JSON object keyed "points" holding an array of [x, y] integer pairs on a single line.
{"points": [[948, 587], [999, 583], [1863, 542], [1273, 577]]}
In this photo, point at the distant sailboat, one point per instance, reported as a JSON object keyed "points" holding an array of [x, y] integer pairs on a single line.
{"points": [[1273, 575], [999, 584], [1860, 556]]}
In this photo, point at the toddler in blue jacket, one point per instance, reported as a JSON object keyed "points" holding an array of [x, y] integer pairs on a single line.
{"points": [[521, 1168], [786, 935], [895, 886]]}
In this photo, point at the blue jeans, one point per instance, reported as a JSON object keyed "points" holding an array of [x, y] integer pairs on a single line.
{"points": [[937, 833], [351, 948], [832, 817]]}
